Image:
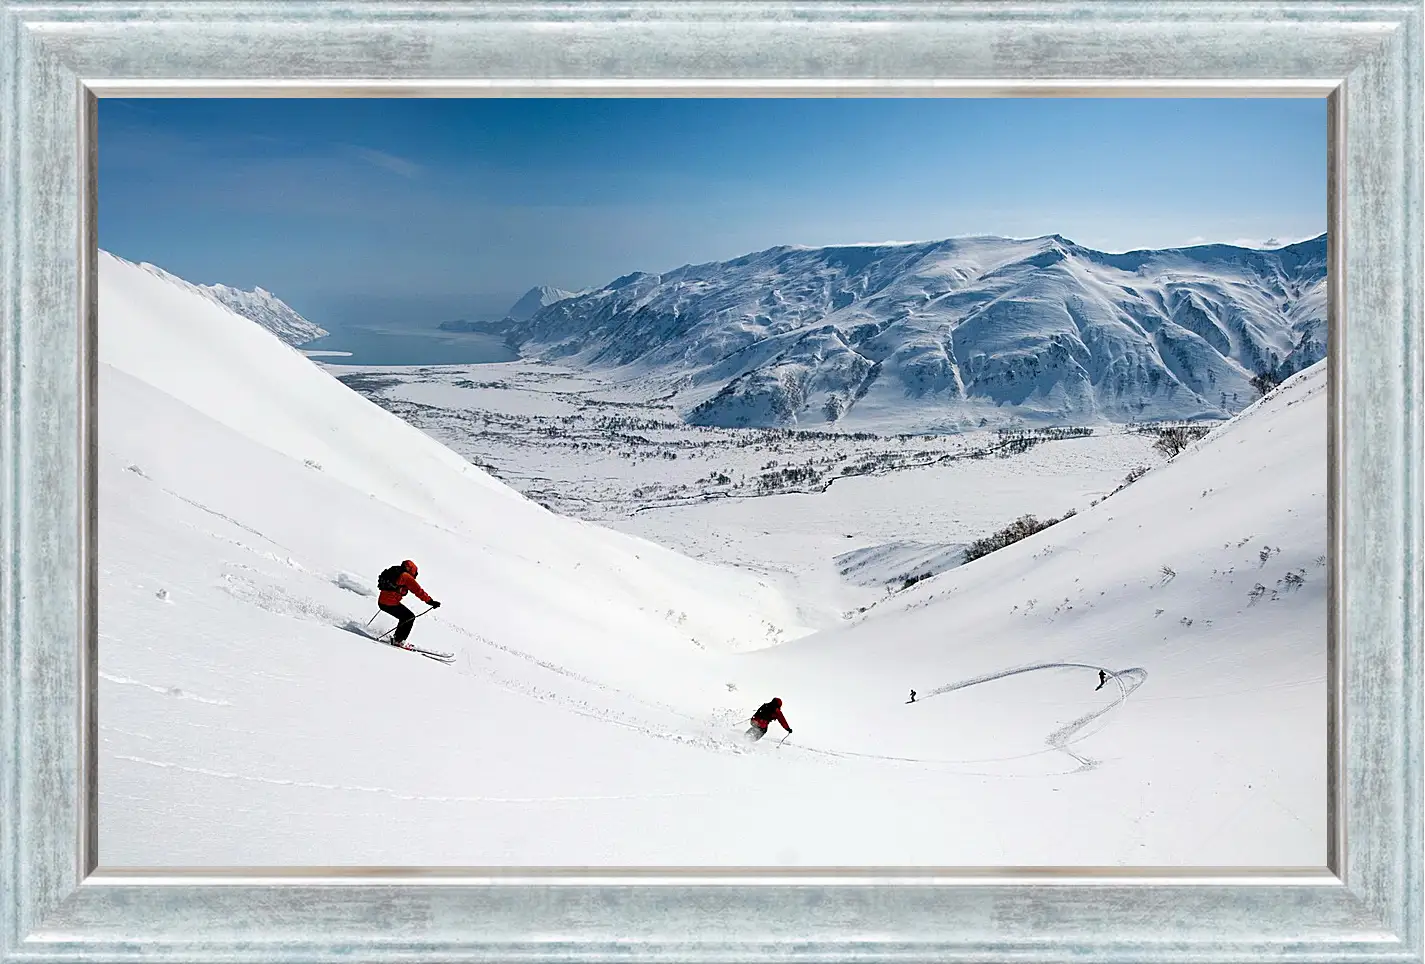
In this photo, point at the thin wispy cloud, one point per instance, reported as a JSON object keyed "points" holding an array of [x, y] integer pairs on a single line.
{"points": [[390, 162]]}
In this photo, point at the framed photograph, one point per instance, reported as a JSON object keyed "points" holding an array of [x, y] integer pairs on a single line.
{"points": [[711, 481]]}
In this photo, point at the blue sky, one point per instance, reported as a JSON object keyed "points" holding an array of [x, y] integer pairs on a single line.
{"points": [[416, 211]]}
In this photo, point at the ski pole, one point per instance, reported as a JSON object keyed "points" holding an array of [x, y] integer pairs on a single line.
{"points": [[398, 624]]}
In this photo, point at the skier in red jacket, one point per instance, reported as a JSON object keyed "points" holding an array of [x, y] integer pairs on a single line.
{"points": [[394, 583], [764, 716]]}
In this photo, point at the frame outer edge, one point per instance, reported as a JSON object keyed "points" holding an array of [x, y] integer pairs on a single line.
{"points": [[44, 279], [1382, 532], [765, 39], [10, 850], [44, 518]]}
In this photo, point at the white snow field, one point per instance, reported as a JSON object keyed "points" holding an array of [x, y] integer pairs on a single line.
{"points": [[593, 711]]}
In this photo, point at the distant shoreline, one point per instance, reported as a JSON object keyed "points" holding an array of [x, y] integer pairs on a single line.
{"points": [[401, 347]]}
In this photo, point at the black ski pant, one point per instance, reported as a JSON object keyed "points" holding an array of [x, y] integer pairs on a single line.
{"points": [[407, 618]]}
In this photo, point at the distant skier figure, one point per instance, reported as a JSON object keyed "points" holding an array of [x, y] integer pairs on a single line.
{"points": [[912, 697], [394, 583], [1102, 678], [763, 718]]}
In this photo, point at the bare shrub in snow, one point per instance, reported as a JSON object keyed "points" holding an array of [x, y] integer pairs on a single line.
{"points": [[1021, 528], [1174, 439], [1265, 382]]}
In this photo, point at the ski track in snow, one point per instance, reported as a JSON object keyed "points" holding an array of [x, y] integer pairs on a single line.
{"points": [[585, 709], [172, 691], [287, 561], [570, 674], [1061, 738], [1058, 740], [198, 505], [395, 794], [274, 598]]}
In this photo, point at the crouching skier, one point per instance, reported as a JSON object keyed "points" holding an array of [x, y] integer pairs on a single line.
{"points": [[394, 583], [763, 718]]}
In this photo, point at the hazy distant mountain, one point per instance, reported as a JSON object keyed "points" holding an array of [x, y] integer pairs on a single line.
{"points": [[522, 310], [536, 298], [950, 333]]}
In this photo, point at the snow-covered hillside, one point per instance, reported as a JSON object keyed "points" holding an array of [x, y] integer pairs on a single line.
{"points": [[1202, 586], [257, 305], [951, 334], [345, 489], [248, 499]]}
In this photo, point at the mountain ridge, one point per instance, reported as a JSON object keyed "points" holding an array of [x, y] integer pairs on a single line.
{"points": [[257, 305], [950, 334]]}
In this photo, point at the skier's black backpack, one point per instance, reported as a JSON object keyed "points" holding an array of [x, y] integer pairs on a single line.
{"points": [[767, 711], [388, 581]]}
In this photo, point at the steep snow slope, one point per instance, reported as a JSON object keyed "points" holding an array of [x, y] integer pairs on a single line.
{"points": [[950, 334], [600, 683], [565, 578], [1202, 586]]}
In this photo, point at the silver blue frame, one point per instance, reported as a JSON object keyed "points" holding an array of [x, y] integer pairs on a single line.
{"points": [[58, 904]]}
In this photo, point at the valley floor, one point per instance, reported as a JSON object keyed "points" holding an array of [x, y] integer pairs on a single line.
{"points": [[839, 519]]}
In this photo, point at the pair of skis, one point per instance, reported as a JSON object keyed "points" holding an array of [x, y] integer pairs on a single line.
{"points": [[428, 653], [439, 657]]}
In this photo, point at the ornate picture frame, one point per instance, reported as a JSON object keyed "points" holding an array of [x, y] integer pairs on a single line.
{"points": [[60, 904]]}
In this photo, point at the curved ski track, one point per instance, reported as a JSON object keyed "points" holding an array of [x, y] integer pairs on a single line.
{"points": [[1062, 737]]}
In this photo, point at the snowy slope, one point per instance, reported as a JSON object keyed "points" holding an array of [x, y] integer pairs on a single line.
{"points": [[168, 356], [1201, 587], [951, 334], [247, 500]]}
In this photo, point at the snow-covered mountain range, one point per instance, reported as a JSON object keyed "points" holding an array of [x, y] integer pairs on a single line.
{"points": [[950, 334]]}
